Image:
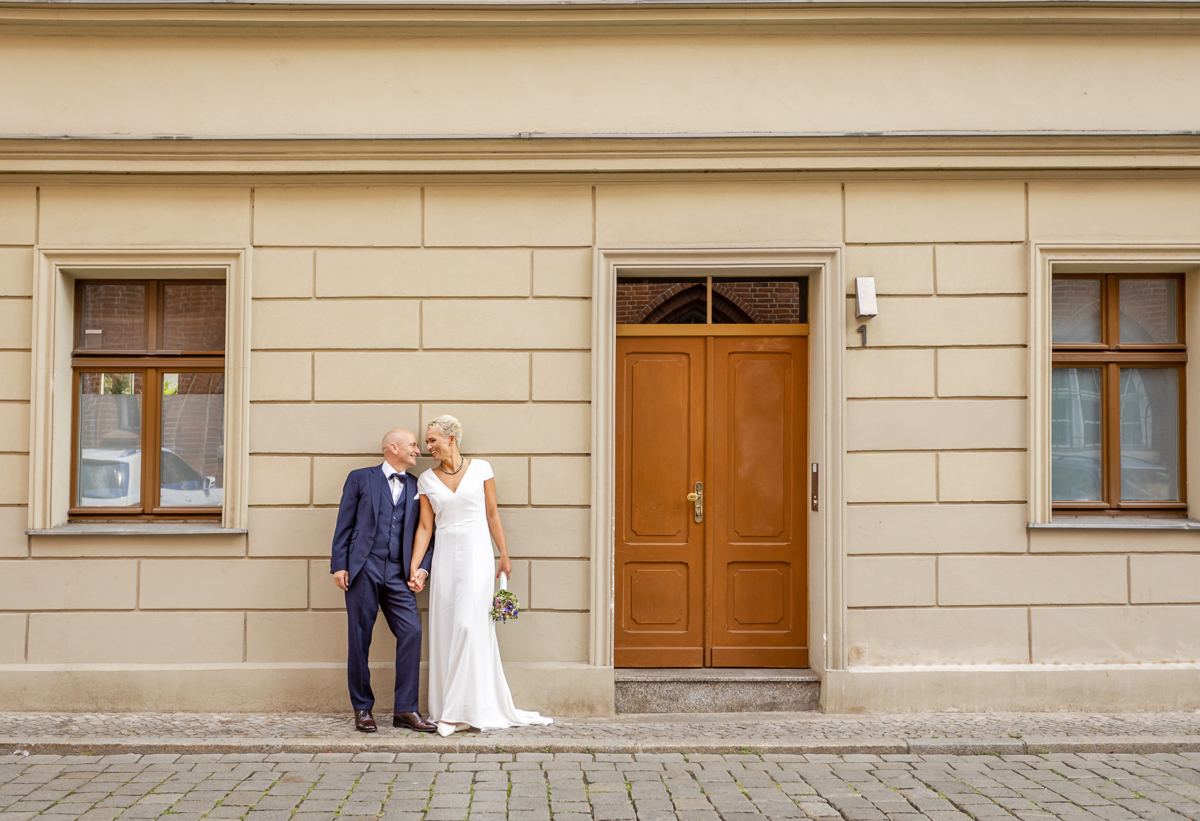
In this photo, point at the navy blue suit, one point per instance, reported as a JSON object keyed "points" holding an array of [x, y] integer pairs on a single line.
{"points": [[373, 542]]}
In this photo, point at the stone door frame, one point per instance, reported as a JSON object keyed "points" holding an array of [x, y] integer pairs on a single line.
{"points": [[824, 265]]}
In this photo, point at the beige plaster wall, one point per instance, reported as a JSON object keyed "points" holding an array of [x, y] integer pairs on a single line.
{"points": [[506, 83], [18, 228], [941, 569], [379, 306], [358, 326]]}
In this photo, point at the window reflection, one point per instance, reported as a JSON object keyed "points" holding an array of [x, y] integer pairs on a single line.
{"points": [[1076, 435], [1075, 307], [110, 440], [1149, 311], [113, 317], [1150, 434], [192, 460], [193, 316]]}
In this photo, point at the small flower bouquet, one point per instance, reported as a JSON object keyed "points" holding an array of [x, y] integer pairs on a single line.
{"points": [[505, 605]]}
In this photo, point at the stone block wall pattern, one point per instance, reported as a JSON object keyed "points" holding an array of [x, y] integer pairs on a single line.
{"points": [[373, 307], [942, 569], [386, 303]]}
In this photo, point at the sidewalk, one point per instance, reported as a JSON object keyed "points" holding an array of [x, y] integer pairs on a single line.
{"points": [[950, 733]]}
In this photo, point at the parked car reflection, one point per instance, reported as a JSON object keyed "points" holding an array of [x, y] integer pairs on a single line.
{"points": [[113, 477]]}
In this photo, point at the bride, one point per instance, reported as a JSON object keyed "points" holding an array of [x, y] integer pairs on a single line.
{"points": [[467, 687]]}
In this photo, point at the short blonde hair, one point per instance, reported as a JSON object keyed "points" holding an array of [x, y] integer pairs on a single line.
{"points": [[449, 426]]}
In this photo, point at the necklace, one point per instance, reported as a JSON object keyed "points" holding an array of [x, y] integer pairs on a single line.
{"points": [[453, 472]]}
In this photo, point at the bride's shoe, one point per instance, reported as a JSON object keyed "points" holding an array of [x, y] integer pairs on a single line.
{"points": [[462, 728], [446, 730]]}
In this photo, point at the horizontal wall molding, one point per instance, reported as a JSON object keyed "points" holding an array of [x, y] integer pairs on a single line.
{"points": [[384, 17], [1050, 151]]}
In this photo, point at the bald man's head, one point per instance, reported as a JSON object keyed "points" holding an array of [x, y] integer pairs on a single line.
{"points": [[400, 449]]}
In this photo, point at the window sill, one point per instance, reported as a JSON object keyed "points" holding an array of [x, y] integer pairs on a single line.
{"points": [[1141, 523], [141, 529]]}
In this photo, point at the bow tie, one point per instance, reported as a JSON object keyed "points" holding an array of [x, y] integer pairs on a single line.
{"points": [[394, 476]]}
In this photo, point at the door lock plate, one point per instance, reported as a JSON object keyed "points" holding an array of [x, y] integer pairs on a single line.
{"points": [[697, 499]]}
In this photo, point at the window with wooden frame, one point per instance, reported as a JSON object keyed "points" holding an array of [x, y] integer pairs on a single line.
{"points": [[149, 378], [1117, 396]]}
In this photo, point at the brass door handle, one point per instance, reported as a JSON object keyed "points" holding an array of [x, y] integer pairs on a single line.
{"points": [[697, 499]]}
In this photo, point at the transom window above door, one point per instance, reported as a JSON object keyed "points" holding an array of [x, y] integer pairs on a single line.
{"points": [[1117, 393], [149, 409], [729, 301]]}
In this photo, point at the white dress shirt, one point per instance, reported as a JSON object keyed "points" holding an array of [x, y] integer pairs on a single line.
{"points": [[397, 487]]}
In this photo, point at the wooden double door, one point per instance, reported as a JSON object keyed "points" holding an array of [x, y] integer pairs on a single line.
{"points": [[721, 580]]}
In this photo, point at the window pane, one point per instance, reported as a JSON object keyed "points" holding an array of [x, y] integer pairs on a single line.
{"points": [[1150, 434], [648, 301], [113, 317], [193, 453], [1076, 435], [193, 316], [1149, 310], [1075, 306], [759, 301], [110, 440]]}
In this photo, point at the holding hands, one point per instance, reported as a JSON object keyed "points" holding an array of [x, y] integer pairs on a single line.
{"points": [[416, 582]]}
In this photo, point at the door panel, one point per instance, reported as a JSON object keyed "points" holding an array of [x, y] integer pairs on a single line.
{"points": [[756, 497], [757, 387], [731, 591], [659, 553]]}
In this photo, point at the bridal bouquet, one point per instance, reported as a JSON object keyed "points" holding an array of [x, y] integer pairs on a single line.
{"points": [[505, 606]]}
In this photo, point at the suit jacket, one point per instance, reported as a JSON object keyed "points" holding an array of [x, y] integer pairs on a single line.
{"points": [[358, 519]]}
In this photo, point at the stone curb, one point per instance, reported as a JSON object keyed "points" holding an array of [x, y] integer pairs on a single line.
{"points": [[798, 746]]}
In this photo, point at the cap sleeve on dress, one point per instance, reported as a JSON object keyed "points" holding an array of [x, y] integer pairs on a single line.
{"points": [[485, 470], [423, 482]]}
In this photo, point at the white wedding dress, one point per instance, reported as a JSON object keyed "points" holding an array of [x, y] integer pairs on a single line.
{"points": [[466, 681]]}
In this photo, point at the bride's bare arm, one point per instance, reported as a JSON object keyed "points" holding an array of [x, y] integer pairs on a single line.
{"points": [[421, 543], [497, 529]]}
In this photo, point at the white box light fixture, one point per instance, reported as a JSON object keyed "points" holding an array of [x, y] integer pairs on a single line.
{"points": [[864, 297]]}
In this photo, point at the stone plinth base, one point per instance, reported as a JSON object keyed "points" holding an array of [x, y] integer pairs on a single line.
{"points": [[552, 689], [713, 690]]}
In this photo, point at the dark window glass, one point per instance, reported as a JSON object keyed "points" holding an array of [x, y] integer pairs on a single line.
{"points": [[760, 301], [193, 316], [652, 301], [113, 317]]}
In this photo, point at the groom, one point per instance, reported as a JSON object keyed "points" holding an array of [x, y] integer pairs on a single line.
{"points": [[372, 548]]}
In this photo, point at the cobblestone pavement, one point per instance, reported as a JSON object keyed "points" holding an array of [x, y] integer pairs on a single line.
{"points": [[765, 726], [582, 787]]}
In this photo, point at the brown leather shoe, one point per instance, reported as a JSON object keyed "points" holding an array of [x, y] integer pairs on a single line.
{"points": [[413, 721], [364, 722]]}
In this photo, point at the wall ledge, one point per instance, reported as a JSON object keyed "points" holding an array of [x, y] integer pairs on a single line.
{"points": [[1105, 523], [148, 529]]}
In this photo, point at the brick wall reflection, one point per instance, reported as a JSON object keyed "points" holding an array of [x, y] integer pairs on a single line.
{"points": [[192, 423], [119, 311]]}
